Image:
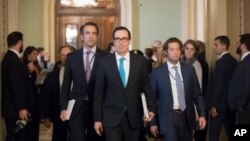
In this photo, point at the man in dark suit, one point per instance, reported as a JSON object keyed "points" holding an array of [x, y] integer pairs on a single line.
{"points": [[217, 92], [80, 69], [239, 88], [177, 90], [120, 79], [52, 90], [17, 100]]}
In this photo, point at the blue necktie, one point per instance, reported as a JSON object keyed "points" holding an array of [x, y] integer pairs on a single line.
{"points": [[180, 90], [122, 71]]}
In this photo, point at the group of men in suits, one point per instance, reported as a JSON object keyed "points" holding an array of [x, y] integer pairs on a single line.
{"points": [[107, 90], [111, 86]]}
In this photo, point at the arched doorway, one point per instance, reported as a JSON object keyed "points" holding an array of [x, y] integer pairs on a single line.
{"points": [[69, 18]]}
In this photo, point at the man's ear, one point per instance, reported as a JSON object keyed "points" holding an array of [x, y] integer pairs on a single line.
{"points": [[243, 47], [20, 42]]}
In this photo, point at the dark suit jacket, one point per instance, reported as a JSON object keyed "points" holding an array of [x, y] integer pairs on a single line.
{"points": [[151, 63], [161, 84], [239, 88], [16, 86], [75, 73], [111, 97], [217, 92], [205, 70], [51, 89]]}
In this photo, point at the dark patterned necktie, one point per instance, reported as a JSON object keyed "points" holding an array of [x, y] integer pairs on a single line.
{"points": [[88, 66]]}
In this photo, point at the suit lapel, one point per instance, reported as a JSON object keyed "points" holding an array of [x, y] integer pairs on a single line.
{"points": [[132, 67], [184, 77], [165, 74], [97, 55], [80, 63], [57, 74]]}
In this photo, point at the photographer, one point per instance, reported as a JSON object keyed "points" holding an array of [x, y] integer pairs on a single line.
{"points": [[17, 98]]}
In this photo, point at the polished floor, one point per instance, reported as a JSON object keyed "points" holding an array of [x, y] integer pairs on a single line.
{"points": [[45, 134]]}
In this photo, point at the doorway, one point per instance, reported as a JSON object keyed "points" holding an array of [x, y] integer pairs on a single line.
{"points": [[69, 18]]}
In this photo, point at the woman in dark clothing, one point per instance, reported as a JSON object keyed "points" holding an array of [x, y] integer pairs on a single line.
{"points": [[30, 60]]}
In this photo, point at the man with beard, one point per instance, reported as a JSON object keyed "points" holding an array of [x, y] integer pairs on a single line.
{"points": [[239, 88], [16, 90]]}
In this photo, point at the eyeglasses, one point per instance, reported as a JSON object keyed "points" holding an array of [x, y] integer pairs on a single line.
{"points": [[124, 39]]}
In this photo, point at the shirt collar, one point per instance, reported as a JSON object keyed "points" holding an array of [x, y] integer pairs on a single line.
{"points": [[170, 65], [118, 57], [223, 53], [93, 50], [244, 55], [16, 52]]}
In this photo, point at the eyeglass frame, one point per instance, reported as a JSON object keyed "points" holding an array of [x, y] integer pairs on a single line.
{"points": [[123, 39]]}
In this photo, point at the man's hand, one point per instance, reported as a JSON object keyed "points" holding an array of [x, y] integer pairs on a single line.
{"points": [[98, 128], [23, 114], [47, 123], [202, 122], [31, 67], [154, 130], [151, 116], [63, 115], [213, 112]]}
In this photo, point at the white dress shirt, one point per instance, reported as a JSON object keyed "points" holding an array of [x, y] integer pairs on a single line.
{"points": [[223, 53], [244, 55], [173, 82], [16, 52], [126, 64], [61, 76]]}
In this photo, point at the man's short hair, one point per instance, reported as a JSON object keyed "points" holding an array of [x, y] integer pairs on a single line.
{"points": [[172, 40], [14, 37], [89, 24], [40, 49], [245, 39], [121, 28], [67, 46], [223, 40]]}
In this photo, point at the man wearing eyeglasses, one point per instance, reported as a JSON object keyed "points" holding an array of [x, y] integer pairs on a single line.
{"points": [[120, 79]]}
